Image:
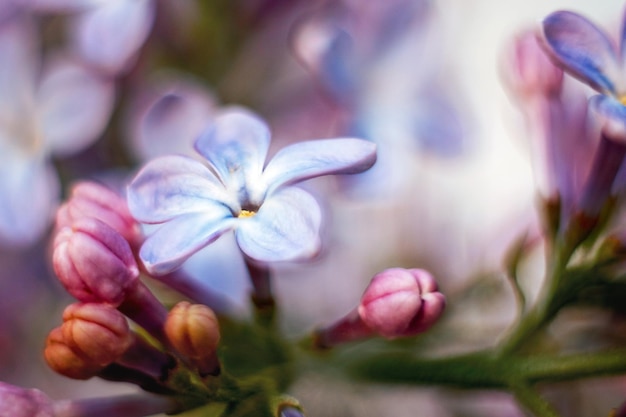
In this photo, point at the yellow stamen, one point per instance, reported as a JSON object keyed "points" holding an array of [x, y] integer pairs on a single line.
{"points": [[622, 100], [246, 213]]}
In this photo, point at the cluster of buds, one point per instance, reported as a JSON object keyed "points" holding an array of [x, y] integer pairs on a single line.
{"points": [[397, 303], [94, 257]]}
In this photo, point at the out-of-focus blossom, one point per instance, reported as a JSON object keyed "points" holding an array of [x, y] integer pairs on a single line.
{"points": [[105, 33], [21, 402], [169, 115], [588, 53], [528, 70], [59, 112], [342, 42], [197, 204], [556, 112], [366, 59]]}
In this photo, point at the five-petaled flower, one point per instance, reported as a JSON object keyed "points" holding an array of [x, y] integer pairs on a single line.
{"points": [[273, 221], [588, 53]]}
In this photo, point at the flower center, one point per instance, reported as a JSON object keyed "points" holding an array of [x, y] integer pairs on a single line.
{"points": [[622, 99], [243, 214]]}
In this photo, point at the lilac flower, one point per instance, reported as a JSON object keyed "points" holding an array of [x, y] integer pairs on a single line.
{"points": [[273, 221], [588, 53], [106, 33], [59, 112]]}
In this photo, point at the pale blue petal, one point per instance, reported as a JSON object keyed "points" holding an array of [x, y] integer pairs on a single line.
{"points": [[583, 50], [61, 6], [623, 41], [172, 118], [74, 106], [173, 185], [20, 63], [236, 145], [314, 158], [110, 35], [285, 228], [612, 115], [171, 244], [29, 193]]}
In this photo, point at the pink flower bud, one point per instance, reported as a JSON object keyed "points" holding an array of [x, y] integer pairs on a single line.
{"points": [[193, 330], [528, 70], [90, 199], [401, 302], [94, 262], [21, 402]]}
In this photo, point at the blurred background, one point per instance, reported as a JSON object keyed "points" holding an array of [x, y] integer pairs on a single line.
{"points": [[91, 90]]}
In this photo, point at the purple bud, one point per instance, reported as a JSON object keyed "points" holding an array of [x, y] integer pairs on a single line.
{"points": [[528, 70], [21, 402], [401, 302], [94, 262], [90, 199], [290, 412]]}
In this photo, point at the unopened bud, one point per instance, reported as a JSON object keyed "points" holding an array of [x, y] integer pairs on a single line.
{"points": [[92, 336], [64, 360], [193, 330], [528, 70], [93, 200], [21, 402], [94, 262], [401, 302]]}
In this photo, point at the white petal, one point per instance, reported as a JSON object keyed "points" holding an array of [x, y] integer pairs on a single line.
{"points": [[314, 158], [285, 228], [170, 245], [173, 185]]}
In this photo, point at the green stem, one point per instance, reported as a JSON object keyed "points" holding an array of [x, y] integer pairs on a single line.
{"points": [[570, 367], [262, 296], [544, 309], [485, 370], [531, 400], [476, 370]]}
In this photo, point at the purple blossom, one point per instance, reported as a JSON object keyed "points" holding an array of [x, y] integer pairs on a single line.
{"points": [[105, 33], [168, 115], [273, 221], [59, 112], [589, 54]]}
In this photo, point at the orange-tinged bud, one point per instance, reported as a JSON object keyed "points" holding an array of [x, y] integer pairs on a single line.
{"points": [[96, 331], [193, 330], [92, 336], [64, 360]]}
